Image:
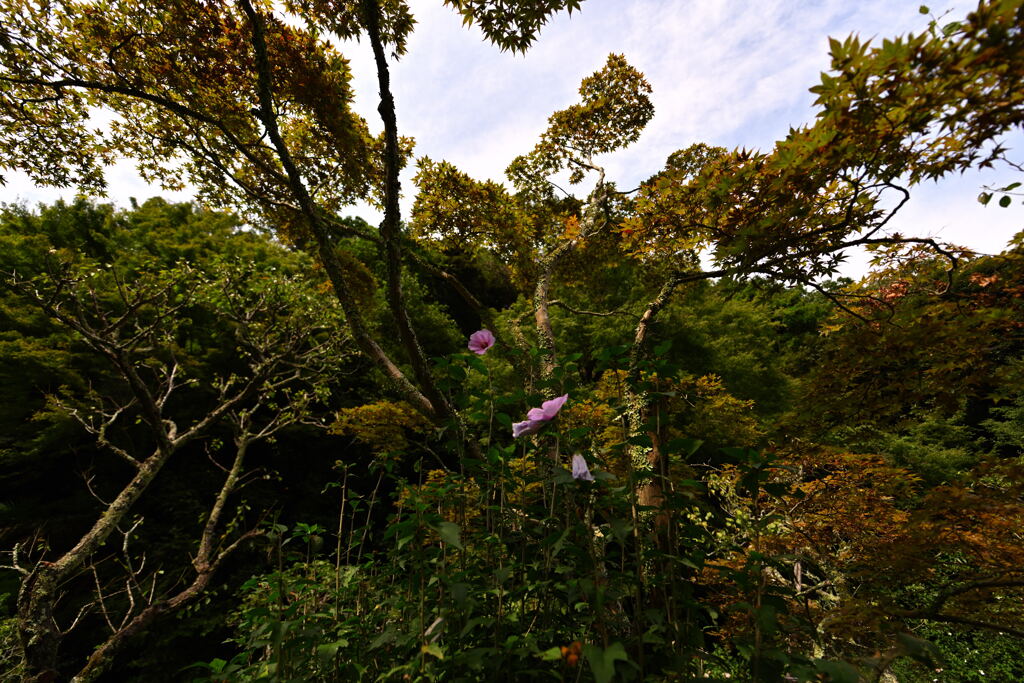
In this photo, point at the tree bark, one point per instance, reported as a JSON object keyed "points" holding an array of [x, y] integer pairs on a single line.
{"points": [[390, 227], [40, 636], [650, 492], [325, 247]]}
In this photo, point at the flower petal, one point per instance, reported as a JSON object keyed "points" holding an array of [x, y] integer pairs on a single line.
{"points": [[536, 414], [537, 417], [550, 408], [526, 427]]}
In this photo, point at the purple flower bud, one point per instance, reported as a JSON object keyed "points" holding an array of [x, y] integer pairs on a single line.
{"points": [[580, 469], [480, 341]]}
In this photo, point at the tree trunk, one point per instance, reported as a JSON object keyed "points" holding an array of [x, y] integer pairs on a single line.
{"points": [[40, 636]]}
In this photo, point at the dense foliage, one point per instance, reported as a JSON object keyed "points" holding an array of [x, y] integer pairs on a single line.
{"points": [[276, 444]]}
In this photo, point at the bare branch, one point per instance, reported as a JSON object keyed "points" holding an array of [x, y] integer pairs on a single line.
{"points": [[602, 314], [954, 619], [100, 599], [831, 296], [945, 596], [100, 432], [15, 564], [83, 610], [455, 283], [88, 485]]}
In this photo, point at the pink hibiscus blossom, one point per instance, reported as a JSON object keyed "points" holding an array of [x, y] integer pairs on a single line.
{"points": [[538, 417], [580, 470], [480, 341]]}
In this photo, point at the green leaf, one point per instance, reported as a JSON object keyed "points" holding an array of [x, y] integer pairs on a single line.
{"points": [[602, 660], [620, 528], [917, 648], [502, 574], [1005, 201], [432, 649], [767, 617], [449, 533], [838, 672], [387, 637], [327, 651], [923, 9], [555, 541], [476, 362], [685, 446], [551, 654], [459, 592]]}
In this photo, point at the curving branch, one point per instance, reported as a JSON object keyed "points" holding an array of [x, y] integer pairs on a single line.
{"points": [[175, 107], [390, 227], [485, 315], [542, 290], [325, 248], [600, 314], [100, 431]]}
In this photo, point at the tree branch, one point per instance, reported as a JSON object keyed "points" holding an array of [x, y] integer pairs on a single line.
{"points": [[601, 314], [177, 108], [390, 227], [325, 248]]}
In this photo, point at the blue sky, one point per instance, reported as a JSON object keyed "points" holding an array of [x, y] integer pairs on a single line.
{"points": [[725, 72]]}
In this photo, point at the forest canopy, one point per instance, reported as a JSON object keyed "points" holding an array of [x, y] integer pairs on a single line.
{"points": [[524, 432]]}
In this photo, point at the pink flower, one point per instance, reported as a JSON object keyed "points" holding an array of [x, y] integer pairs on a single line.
{"points": [[538, 417], [548, 409], [580, 469], [480, 341]]}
